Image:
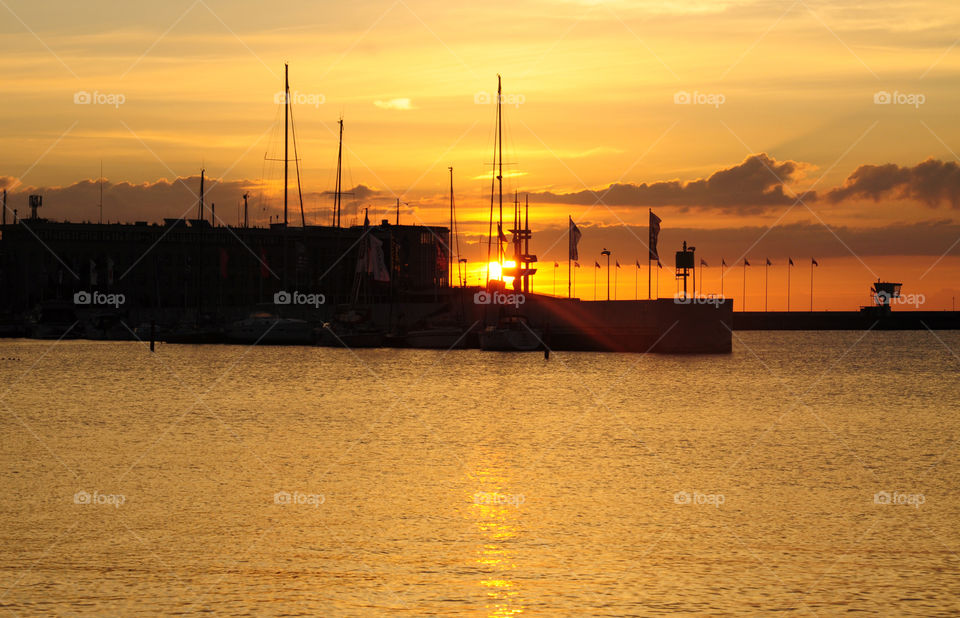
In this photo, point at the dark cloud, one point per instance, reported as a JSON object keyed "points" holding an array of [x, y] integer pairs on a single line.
{"points": [[127, 202], [751, 186], [931, 182]]}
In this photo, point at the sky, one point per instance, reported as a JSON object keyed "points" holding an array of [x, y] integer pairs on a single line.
{"points": [[754, 129]]}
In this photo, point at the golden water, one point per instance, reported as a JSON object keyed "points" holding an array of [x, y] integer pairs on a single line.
{"points": [[312, 481]]}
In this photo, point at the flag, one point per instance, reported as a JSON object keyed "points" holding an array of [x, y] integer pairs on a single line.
{"points": [[814, 262], [638, 263], [789, 261], [371, 259], [576, 264], [703, 262], [555, 265], [769, 263], [93, 273], [723, 262], [659, 265], [745, 262], [574, 240], [654, 235], [224, 257], [618, 263], [596, 264]]}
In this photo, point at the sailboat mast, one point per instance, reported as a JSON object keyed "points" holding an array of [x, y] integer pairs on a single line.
{"points": [[101, 191], [201, 195], [286, 134], [336, 200], [450, 236], [500, 163], [526, 242]]}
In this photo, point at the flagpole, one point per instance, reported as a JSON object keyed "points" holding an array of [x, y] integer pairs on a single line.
{"points": [[722, 273], [744, 304], [789, 263], [636, 282], [811, 285], [766, 284]]}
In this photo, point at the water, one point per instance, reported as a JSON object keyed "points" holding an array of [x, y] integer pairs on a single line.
{"points": [[311, 481]]}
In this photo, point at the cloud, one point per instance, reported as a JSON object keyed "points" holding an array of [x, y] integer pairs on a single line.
{"points": [[401, 104], [931, 182], [124, 201], [749, 187]]}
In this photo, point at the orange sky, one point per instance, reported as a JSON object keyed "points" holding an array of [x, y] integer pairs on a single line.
{"points": [[597, 91]]}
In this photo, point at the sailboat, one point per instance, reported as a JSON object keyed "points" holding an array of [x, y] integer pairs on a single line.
{"points": [[512, 331]]}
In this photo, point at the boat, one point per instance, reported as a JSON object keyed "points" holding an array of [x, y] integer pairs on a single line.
{"points": [[265, 328], [512, 333]]}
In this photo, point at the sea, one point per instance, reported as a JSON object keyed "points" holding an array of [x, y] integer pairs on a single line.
{"points": [[805, 473]]}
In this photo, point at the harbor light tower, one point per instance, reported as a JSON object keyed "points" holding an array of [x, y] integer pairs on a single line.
{"points": [[884, 292]]}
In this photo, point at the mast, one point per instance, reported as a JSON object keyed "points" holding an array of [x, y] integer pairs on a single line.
{"points": [[200, 214], [450, 236], [500, 165], [336, 199], [286, 132], [246, 221], [4, 206], [526, 245], [101, 190]]}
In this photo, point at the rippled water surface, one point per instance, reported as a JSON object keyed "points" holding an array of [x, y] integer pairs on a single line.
{"points": [[809, 473]]}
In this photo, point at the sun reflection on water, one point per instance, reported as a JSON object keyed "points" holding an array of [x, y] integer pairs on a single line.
{"points": [[496, 524]]}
